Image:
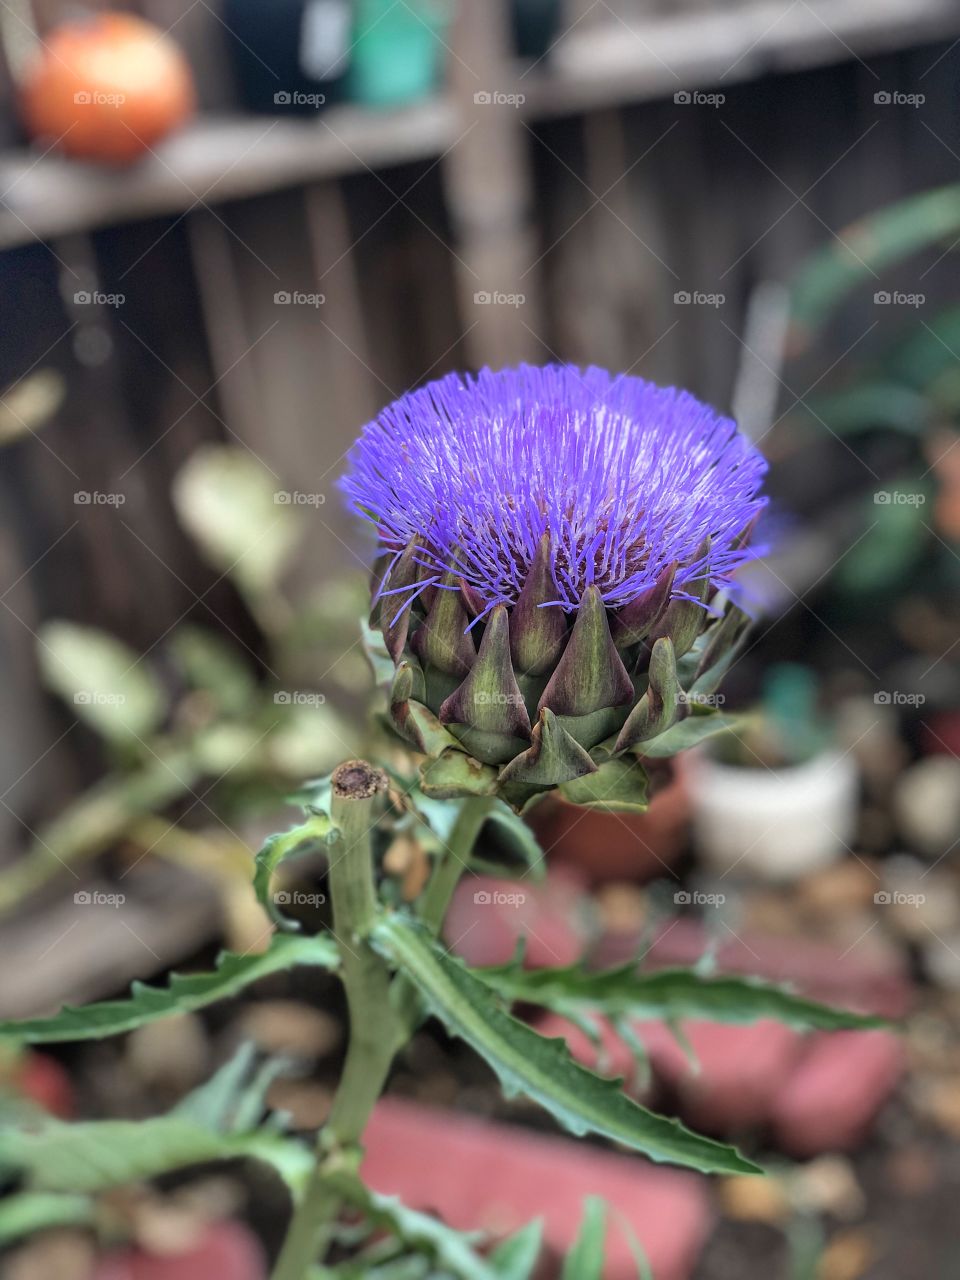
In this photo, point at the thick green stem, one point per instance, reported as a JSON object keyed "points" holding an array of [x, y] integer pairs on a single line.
{"points": [[436, 899], [446, 877], [366, 979]]}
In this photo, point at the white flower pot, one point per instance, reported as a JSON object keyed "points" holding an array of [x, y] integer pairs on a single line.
{"points": [[777, 824]]}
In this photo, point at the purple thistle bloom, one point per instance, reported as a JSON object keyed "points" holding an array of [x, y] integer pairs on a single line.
{"points": [[625, 476]]}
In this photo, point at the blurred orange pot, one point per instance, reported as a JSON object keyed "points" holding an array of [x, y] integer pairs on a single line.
{"points": [[106, 88], [616, 846]]}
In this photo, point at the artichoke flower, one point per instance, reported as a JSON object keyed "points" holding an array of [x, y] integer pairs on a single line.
{"points": [[555, 552]]}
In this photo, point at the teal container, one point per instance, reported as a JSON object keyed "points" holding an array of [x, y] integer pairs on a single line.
{"points": [[398, 51]]}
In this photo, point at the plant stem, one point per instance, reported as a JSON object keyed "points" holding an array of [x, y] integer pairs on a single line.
{"points": [[366, 978], [446, 877], [436, 900]]}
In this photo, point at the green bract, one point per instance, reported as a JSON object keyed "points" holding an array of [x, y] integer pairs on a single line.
{"points": [[532, 699]]}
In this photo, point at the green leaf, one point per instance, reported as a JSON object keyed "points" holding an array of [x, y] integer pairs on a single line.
{"points": [[896, 539], [213, 1103], [508, 831], [858, 252], [232, 507], [453, 775], [516, 1257], [451, 1250], [667, 993], [31, 1211], [542, 1069], [618, 786], [317, 832], [93, 1156], [105, 682], [212, 664], [377, 655], [585, 1260], [183, 993], [689, 733]]}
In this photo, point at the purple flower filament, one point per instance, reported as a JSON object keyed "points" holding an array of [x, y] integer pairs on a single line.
{"points": [[623, 475]]}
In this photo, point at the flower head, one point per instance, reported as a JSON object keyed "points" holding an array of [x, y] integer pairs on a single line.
{"points": [[623, 476], [552, 545]]}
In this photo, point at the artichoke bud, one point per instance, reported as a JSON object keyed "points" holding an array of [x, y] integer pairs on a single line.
{"points": [[395, 608], [635, 620], [537, 634], [683, 620], [528, 661], [442, 640], [657, 709], [553, 758], [487, 711], [590, 683]]}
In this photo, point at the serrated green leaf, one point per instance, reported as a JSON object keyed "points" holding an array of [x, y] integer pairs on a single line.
{"points": [[95, 1155], [22, 1215], [103, 681], [542, 1069], [317, 832], [667, 993], [689, 733], [516, 1257], [213, 1103], [585, 1260], [449, 1249], [184, 993]]}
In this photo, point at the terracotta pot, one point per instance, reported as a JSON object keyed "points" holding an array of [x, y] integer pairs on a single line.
{"points": [[616, 846]]}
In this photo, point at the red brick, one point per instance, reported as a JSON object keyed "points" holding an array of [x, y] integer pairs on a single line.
{"points": [[479, 1175], [832, 1097], [740, 1067], [487, 916], [227, 1251], [869, 978]]}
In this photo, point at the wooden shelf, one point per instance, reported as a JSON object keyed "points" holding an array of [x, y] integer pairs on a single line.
{"points": [[608, 65], [613, 64], [215, 159]]}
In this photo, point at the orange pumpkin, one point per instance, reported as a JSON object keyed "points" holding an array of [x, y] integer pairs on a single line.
{"points": [[106, 88]]}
